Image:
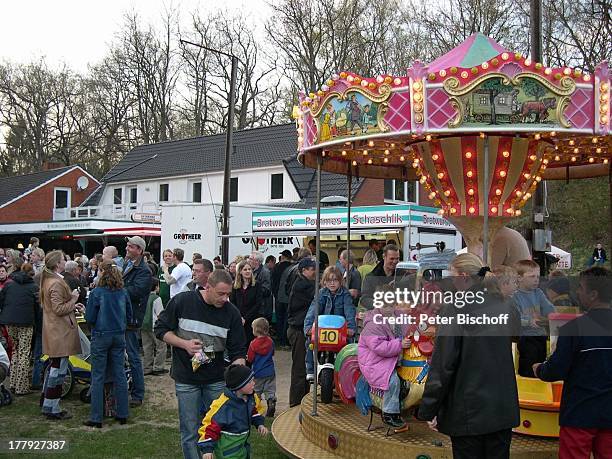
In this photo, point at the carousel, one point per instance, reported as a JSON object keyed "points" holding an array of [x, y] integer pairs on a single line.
{"points": [[479, 127]]}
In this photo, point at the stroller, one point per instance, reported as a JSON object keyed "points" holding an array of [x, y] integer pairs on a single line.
{"points": [[79, 371]]}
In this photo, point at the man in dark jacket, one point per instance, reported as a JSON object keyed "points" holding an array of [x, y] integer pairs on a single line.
{"points": [[262, 276], [137, 279], [382, 274], [70, 276], [282, 299], [582, 361], [471, 386], [301, 296]]}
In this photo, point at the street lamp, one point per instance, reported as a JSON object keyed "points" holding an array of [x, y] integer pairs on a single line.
{"points": [[228, 147]]}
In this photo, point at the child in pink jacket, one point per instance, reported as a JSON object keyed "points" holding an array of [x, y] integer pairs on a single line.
{"points": [[380, 346]]}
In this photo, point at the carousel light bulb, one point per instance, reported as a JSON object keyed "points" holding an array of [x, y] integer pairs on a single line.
{"points": [[428, 137], [573, 159], [440, 175], [432, 195], [417, 86], [567, 71], [468, 154], [386, 160], [354, 163], [365, 152], [343, 152], [415, 165], [605, 161], [533, 157], [423, 179], [518, 212], [323, 153], [471, 191], [441, 212], [482, 135], [371, 143], [519, 193], [494, 209], [576, 150], [538, 178], [397, 81], [498, 192], [506, 154], [402, 158], [447, 193], [594, 140], [453, 210], [469, 173], [591, 159], [536, 136], [510, 210], [392, 145], [572, 142], [557, 158], [545, 161], [553, 133], [527, 175], [547, 70], [502, 173], [471, 210], [387, 152], [435, 157], [370, 161], [598, 150]]}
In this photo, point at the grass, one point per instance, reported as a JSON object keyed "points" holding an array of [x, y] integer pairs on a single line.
{"points": [[152, 430]]}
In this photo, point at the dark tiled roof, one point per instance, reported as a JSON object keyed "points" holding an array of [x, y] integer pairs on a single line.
{"points": [[94, 198], [259, 147], [13, 187], [305, 181]]}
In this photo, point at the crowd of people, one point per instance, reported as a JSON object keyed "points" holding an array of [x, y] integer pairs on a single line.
{"points": [[218, 323]]}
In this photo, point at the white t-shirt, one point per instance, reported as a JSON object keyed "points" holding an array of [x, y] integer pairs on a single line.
{"points": [[182, 274]]}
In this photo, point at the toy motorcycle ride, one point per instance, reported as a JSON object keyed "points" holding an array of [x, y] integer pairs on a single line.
{"points": [[331, 339]]}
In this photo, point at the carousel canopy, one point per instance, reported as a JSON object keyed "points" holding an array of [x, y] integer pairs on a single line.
{"points": [[432, 123]]}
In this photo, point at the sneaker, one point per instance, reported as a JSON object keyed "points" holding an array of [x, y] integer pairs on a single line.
{"points": [[135, 403], [271, 408], [58, 416], [393, 420], [310, 377]]}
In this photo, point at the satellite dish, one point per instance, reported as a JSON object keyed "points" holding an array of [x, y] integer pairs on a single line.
{"points": [[82, 183]]}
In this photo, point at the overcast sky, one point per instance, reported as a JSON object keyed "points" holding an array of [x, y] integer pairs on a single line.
{"points": [[77, 32]]}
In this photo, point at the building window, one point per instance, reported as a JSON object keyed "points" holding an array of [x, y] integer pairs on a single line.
{"points": [[62, 198], [164, 192], [133, 195], [196, 192], [484, 100], [234, 189], [398, 190], [117, 195], [501, 100], [276, 191]]}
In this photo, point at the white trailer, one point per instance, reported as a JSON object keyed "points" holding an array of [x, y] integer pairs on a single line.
{"points": [[196, 228]]}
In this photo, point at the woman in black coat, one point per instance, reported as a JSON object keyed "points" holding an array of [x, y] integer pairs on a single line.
{"points": [[18, 300], [247, 296], [471, 392]]}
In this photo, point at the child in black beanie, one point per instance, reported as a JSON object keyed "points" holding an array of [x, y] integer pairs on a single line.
{"points": [[228, 414]]}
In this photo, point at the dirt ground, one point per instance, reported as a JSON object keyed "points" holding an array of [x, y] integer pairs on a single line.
{"points": [[160, 389]]}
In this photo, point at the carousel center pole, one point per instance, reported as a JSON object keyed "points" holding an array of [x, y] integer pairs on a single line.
{"points": [[315, 347], [485, 225], [347, 279]]}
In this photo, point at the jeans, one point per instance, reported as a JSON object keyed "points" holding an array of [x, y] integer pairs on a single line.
{"points": [[133, 352], [193, 403], [38, 366], [391, 401], [108, 349], [309, 358]]}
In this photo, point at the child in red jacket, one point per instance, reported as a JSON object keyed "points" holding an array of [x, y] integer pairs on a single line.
{"points": [[260, 355]]}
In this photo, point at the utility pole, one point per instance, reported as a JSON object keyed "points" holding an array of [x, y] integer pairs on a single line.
{"points": [[227, 170], [539, 235]]}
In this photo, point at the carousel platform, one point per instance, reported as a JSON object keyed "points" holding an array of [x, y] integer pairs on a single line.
{"points": [[339, 430]]}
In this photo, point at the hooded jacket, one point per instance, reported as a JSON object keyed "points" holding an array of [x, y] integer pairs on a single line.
{"points": [[378, 351], [260, 355], [338, 304], [18, 300], [227, 426]]}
